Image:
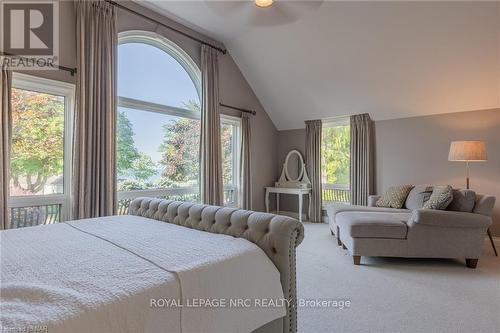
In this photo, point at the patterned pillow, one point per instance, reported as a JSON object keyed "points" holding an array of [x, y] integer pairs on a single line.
{"points": [[394, 197], [440, 198]]}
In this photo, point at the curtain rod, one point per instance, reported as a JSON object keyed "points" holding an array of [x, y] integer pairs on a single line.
{"points": [[72, 71], [223, 51], [239, 109]]}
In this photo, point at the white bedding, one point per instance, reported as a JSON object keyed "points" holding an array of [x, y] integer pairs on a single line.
{"points": [[100, 275]]}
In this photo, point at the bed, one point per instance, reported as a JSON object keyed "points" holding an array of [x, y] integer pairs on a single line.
{"points": [[207, 269]]}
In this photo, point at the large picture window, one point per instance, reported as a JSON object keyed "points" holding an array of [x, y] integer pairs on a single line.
{"points": [[41, 151], [158, 124], [335, 160]]}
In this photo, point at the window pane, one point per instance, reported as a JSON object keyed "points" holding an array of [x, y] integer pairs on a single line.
{"points": [[37, 157], [156, 151], [230, 160], [335, 160], [227, 136], [150, 74]]}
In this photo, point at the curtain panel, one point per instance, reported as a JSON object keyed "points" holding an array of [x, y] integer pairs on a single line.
{"points": [[6, 137], [245, 160], [210, 146], [313, 163], [94, 146], [362, 152]]}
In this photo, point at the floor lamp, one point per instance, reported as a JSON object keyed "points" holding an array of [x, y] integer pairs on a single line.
{"points": [[470, 151]]}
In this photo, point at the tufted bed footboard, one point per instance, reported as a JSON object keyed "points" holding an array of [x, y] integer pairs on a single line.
{"points": [[277, 236]]}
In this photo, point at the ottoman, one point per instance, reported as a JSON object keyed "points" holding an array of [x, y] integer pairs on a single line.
{"points": [[374, 234]]}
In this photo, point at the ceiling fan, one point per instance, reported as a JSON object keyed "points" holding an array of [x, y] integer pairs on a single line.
{"points": [[263, 12]]}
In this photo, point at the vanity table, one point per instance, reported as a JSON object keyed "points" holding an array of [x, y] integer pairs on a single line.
{"points": [[297, 191], [293, 180]]}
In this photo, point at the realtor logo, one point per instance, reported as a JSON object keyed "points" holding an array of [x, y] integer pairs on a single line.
{"points": [[30, 33]]}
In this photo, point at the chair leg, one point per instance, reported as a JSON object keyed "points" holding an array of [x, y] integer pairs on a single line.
{"points": [[344, 247], [331, 232], [471, 263], [492, 243], [356, 260]]}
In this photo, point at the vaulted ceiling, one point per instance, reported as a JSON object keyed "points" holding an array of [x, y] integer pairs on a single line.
{"points": [[313, 59]]}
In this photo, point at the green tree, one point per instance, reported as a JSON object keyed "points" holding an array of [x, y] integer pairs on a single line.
{"points": [[180, 150], [227, 153], [37, 139], [126, 152], [143, 168], [336, 154]]}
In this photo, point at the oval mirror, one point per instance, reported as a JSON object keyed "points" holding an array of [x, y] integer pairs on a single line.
{"points": [[294, 166]]}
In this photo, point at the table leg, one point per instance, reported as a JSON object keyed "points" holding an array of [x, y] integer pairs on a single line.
{"points": [[492, 243], [300, 207], [309, 207], [267, 200], [277, 203]]}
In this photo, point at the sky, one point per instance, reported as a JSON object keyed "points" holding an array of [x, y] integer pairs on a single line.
{"points": [[150, 74]]}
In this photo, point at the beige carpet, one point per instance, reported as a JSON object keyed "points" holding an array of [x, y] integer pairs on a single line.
{"points": [[395, 295]]}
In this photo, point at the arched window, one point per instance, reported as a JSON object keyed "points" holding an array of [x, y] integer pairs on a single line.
{"points": [[158, 122]]}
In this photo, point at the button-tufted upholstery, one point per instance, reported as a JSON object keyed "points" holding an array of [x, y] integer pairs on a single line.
{"points": [[277, 235]]}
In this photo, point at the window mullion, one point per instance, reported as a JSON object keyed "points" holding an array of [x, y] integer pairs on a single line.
{"points": [[131, 103]]}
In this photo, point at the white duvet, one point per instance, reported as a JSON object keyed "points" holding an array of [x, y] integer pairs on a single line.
{"points": [[129, 274]]}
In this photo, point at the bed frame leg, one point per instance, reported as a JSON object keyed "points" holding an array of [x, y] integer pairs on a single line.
{"points": [[356, 260]]}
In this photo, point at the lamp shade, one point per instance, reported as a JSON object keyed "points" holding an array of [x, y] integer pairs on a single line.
{"points": [[467, 151], [263, 3]]}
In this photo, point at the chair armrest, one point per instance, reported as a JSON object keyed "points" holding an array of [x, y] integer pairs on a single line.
{"points": [[449, 219], [372, 200], [484, 204]]}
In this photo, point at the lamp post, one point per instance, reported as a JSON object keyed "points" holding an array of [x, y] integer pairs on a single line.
{"points": [[469, 151]]}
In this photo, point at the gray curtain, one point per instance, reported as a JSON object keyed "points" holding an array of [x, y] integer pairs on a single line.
{"points": [[210, 147], [94, 147], [313, 163], [361, 159], [6, 136], [245, 160]]}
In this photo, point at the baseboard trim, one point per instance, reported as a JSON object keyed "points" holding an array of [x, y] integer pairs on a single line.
{"points": [[295, 215]]}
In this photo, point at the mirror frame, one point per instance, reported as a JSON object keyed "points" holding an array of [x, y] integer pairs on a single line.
{"points": [[301, 172]]}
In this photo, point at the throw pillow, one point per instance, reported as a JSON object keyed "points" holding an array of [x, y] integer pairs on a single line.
{"points": [[418, 196], [440, 198], [463, 201], [394, 197]]}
